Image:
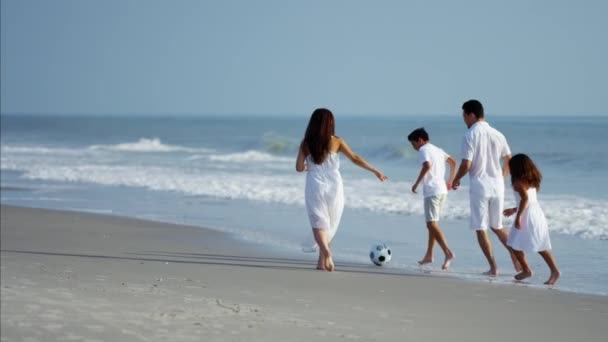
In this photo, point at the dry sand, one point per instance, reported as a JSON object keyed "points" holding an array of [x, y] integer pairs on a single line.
{"points": [[69, 276]]}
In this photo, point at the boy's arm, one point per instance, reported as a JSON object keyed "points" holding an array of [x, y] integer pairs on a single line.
{"points": [[452, 163], [426, 166]]}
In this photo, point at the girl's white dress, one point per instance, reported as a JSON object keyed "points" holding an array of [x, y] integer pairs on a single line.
{"points": [[324, 195], [533, 235]]}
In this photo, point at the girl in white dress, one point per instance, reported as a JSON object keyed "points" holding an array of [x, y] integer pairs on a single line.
{"points": [[530, 232], [324, 194]]}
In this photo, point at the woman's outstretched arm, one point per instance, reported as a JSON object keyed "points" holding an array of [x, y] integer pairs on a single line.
{"points": [[359, 161]]}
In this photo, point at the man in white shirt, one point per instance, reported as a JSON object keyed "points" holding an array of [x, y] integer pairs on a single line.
{"points": [[483, 149], [434, 189]]}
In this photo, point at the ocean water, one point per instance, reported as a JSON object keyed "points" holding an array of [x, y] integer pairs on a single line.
{"points": [[238, 175]]}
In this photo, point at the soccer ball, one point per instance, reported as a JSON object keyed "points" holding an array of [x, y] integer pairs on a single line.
{"points": [[380, 254]]}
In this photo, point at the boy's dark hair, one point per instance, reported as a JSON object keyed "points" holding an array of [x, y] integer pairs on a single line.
{"points": [[417, 134], [473, 106]]}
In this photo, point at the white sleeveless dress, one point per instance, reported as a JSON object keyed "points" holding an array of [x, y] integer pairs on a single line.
{"points": [[324, 195], [533, 235]]}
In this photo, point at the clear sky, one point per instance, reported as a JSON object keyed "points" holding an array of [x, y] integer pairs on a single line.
{"points": [[283, 57]]}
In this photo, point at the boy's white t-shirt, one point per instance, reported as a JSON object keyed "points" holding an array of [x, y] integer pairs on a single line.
{"points": [[434, 180]]}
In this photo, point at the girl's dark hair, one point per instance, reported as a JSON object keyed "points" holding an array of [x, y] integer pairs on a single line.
{"points": [[321, 128], [523, 169]]}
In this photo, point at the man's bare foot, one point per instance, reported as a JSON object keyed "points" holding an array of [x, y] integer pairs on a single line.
{"points": [[491, 272], [523, 275], [553, 278], [425, 260], [448, 259]]}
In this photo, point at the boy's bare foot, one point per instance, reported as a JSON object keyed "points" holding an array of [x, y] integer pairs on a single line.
{"points": [[425, 260], [492, 272], [523, 275], [553, 278], [448, 259]]}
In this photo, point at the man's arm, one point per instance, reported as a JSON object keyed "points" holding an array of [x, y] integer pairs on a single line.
{"points": [[465, 165], [505, 165], [452, 162]]}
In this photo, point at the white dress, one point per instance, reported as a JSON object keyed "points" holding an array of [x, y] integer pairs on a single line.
{"points": [[324, 195], [533, 235]]}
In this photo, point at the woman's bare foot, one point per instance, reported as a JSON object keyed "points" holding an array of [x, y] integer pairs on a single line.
{"points": [[425, 260], [523, 275], [448, 258], [492, 272], [329, 264], [553, 278], [320, 264]]}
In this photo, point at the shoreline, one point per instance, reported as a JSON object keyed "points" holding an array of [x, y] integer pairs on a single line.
{"points": [[71, 275]]}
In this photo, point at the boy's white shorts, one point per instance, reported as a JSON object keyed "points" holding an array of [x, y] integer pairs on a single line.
{"points": [[432, 207]]}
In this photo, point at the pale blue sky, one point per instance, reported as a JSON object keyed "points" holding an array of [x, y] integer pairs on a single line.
{"points": [[288, 57]]}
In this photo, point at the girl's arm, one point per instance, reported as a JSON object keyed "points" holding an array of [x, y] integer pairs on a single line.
{"points": [[521, 190], [300, 161], [359, 161], [509, 211]]}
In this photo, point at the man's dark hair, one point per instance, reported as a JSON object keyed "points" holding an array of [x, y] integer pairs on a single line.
{"points": [[473, 106], [417, 134]]}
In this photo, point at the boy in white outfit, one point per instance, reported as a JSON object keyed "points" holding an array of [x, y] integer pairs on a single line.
{"points": [[434, 189]]}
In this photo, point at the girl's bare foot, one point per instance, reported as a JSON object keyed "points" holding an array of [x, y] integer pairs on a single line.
{"points": [[425, 260], [553, 278], [448, 258], [492, 272], [516, 263], [523, 275]]}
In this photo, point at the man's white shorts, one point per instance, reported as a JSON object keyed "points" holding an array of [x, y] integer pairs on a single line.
{"points": [[486, 212], [432, 207]]}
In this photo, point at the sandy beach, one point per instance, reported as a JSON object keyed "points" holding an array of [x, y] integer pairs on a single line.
{"points": [[70, 276]]}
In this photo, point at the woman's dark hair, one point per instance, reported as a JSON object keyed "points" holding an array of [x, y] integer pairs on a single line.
{"points": [[321, 128], [523, 169], [473, 106]]}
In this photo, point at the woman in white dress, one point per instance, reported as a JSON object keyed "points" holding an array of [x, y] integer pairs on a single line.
{"points": [[530, 232], [324, 194]]}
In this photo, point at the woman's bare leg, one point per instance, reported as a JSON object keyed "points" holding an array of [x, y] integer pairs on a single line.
{"points": [[326, 261]]}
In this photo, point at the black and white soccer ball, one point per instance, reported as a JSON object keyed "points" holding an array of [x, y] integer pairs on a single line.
{"points": [[380, 254]]}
